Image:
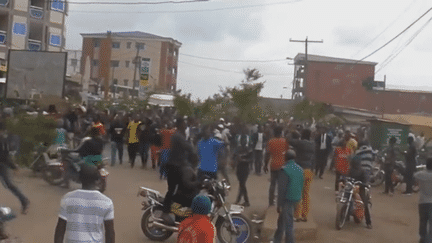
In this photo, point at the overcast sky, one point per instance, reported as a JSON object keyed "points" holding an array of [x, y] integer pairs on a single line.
{"points": [[261, 30]]}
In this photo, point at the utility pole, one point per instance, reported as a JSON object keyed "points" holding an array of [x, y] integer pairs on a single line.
{"points": [[138, 47], [306, 41]]}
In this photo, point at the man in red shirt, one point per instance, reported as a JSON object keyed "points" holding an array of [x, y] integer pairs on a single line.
{"points": [[198, 228], [341, 161], [166, 134], [276, 149]]}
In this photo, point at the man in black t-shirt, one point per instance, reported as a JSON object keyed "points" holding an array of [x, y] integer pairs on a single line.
{"points": [[117, 131]]}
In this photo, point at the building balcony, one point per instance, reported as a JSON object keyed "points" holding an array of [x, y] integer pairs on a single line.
{"points": [[34, 45], [36, 12], [3, 37], [4, 3]]}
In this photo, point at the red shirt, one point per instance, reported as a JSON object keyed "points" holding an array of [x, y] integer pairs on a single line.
{"points": [[341, 159], [166, 135], [277, 148], [196, 229]]}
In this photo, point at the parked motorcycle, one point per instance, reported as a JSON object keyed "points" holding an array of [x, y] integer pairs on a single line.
{"points": [[377, 176], [349, 202], [399, 173], [231, 224], [6, 215], [54, 173]]}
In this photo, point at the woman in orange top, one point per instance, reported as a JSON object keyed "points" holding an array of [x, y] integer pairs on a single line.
{"points": [[341, 161]]}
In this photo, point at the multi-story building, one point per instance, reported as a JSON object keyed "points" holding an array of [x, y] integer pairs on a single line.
{"points": [[36, 25], [351, 83], [116, 58], [74, 62]]}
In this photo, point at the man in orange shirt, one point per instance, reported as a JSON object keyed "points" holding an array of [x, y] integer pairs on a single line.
{"points": [[276, 149], [198, 228]]}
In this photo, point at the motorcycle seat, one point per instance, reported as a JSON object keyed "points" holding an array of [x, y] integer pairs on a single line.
{"points": [[180, 211]]}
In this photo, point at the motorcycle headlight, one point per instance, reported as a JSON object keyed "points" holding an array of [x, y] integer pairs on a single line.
{"points": [[142, 193]]}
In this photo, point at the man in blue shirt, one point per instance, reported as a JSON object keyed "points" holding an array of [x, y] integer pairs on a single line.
{"points": [[208, 152]]}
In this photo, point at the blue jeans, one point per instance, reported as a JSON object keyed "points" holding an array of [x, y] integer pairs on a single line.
{"points": [[425, 227], [114, 147], [7, 182], [285, 224], [164, 156], [143, 151]]}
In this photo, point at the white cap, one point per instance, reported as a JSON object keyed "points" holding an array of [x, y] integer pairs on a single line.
{"points": [[220, 126], [221, 119]]}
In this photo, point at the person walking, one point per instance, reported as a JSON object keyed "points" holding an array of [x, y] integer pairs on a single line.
{"points": [[144, 141], [424, 179], [198, 228], [258, 140], [290, 188], [133, 140], [410, 166], [389, 163], [242, 159], [117, 131], [275, 151], [165, 149], [86, 212], [5, 165], [305, 151], [323, 148], [209, 150]]}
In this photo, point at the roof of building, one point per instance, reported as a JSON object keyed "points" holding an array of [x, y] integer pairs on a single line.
{"points": [[316, 58], [130, 34]]}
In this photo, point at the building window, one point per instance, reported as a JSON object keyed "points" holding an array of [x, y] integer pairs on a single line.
{"points": [[96, 42], [115, 81], [19, 29], [125, 82], [4, 2], [95, 63], [57, 5], [55, 40], [115, 63], [127, 63], [128, 45], [116, 45], [136, 83], [74, 62], [140, 46]]}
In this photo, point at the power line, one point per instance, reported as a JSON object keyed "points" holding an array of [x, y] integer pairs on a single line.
{"points": [[135, 3], [403, 31], [227, 60], [225, 70], [382, 32], [193, 10], [400, 49]]}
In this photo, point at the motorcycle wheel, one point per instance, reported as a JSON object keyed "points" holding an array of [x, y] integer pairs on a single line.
{"points": [[54, 175], [341, 215], [377, 177], [241, 223], [101, 184], [153, 233]]}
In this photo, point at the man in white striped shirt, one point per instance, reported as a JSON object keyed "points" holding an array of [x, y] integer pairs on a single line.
{"points": [[84, 213]]}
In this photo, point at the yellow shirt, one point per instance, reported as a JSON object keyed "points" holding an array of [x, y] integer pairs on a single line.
{"points": [[133, 132], [352, 144]]}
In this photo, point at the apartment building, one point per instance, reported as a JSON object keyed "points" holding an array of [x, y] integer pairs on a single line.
{"points": [[73, 62], [36, 25], [119, 59]]}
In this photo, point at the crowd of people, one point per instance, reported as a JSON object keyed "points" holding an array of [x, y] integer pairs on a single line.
{"points": [[185, 152]]}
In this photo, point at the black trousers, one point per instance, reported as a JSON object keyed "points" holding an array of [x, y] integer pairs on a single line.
{"points": [[365, 200], [409, 180], [321, 162], [242, 176], [174, 179], [389, 187], [425, 226], [132, 151], [258, 156]]}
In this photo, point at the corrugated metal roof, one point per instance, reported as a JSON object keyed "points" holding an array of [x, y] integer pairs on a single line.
{"points": [[316, 58], [130, 34]]}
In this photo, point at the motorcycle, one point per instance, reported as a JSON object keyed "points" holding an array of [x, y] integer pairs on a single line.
{"points": [[55, 171], [6, 215], [399, 173], [377, 176], [349, 202], [231, 224]]}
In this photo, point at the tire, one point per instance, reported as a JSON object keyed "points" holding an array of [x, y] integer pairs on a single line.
{"points": [[54, 175], [241, 222], [153, 233], [341, 215], [377, 177]]}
